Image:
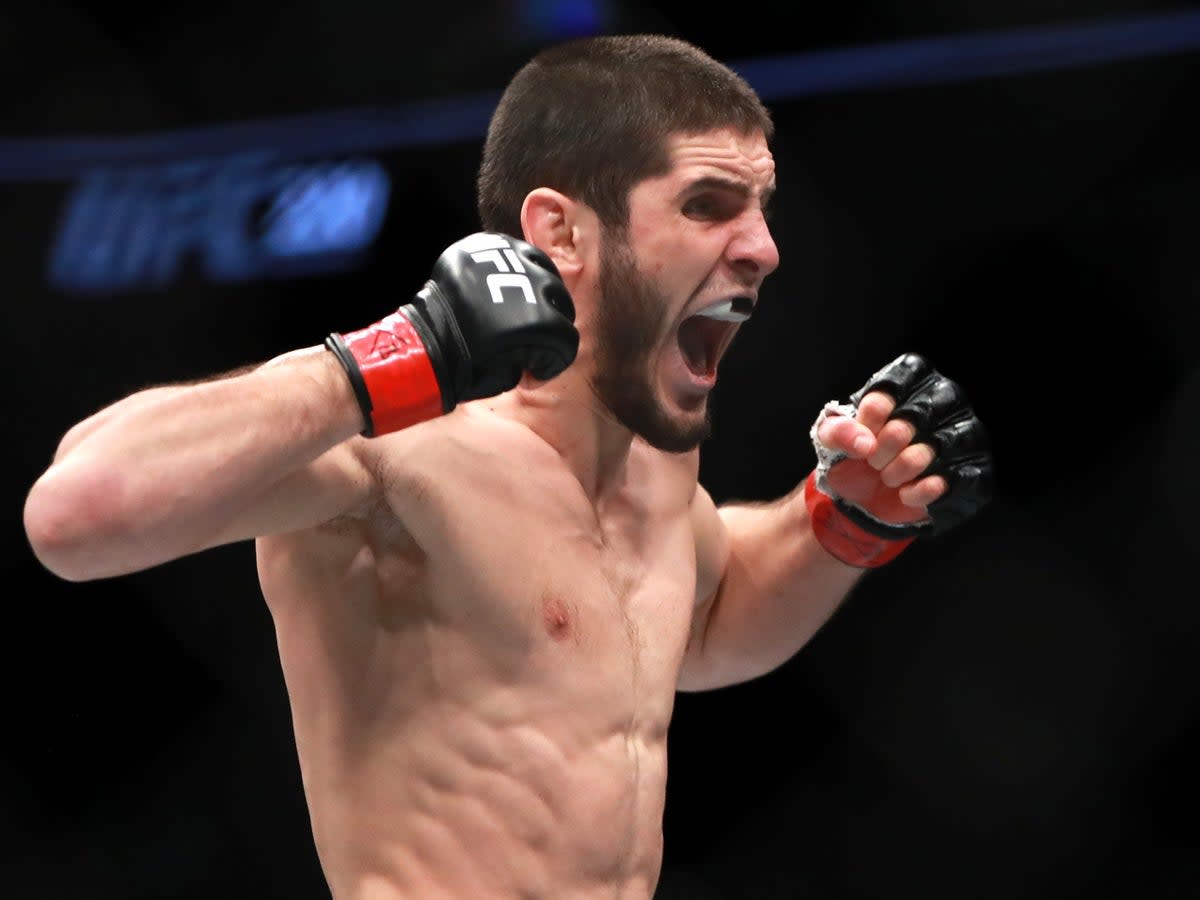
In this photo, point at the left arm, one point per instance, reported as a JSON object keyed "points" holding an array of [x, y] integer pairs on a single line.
{"points": [[912, 459], [775, 586]]}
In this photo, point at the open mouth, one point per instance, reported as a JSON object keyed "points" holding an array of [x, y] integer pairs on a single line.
{"points": [[704, 336]]}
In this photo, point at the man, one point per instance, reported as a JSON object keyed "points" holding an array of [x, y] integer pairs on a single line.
{"points": [[478, 524]]}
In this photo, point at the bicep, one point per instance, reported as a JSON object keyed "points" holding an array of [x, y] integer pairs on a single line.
{"points": [[712, 556]]}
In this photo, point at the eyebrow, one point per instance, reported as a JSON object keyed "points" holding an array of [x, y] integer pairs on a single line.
{"points": [[715, 182]]}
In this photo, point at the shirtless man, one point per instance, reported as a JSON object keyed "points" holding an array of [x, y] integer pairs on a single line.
{"points": [[479, 530]]}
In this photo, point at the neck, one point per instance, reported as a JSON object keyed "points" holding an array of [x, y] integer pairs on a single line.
{"points": [[566, 413]]}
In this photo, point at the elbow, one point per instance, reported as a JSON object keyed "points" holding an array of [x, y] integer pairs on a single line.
{"points": [[71, 527]]}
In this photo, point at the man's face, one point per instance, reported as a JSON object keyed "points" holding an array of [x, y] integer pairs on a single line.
{"points": [[630, 317], [676, 285]]}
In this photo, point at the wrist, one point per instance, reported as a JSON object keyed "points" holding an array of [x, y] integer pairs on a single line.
{"points": [[844, 539], [390, 373], [340, 394]]}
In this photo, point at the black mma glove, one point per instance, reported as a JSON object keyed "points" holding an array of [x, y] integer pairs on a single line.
{"points": [[939, 411], [493, 308]]}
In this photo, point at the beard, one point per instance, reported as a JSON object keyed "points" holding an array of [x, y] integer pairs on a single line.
{"points": [[629, 321]]}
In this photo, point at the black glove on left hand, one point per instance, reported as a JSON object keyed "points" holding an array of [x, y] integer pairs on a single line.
{"points": [[939, 411]]}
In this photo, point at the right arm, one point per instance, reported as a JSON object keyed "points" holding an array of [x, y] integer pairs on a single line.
{"points": [[173, 470]]}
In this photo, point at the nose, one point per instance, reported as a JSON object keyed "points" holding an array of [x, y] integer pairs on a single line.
{"points": [[752, 251]]}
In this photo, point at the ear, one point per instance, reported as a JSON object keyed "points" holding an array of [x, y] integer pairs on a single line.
{"points": [[558, 225]]}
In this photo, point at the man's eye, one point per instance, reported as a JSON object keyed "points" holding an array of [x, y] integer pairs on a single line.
{"points": [[708, 207]]}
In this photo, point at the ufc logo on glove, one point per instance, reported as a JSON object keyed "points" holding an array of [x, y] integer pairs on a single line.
{"points": [[494, 249], [457, 339]]}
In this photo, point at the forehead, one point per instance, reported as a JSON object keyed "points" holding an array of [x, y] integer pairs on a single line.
{"points": [[724, 153]]}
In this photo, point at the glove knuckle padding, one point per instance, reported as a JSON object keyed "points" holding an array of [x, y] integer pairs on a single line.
{"points": [[898, 378], [933, 402], [940, 413], [964, 459], [961, 436], [970, 487], [497, 333]]}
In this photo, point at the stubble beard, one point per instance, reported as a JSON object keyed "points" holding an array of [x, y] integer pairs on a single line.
{"points": [[629, 321]]}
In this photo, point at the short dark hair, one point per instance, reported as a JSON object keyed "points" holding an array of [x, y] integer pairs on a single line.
{"points": [[591, 117]]}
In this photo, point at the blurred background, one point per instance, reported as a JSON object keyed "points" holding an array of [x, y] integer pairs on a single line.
{"points": [[1008, 712]]}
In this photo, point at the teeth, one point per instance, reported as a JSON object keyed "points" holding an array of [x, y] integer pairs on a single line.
{"points": [[736, 310]]}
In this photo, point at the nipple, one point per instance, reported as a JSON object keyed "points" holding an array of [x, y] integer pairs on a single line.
{"points": [[556, 618]]}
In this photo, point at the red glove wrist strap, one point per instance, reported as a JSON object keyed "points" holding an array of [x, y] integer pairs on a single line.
{"points": [[841, 537], [398, 375]]}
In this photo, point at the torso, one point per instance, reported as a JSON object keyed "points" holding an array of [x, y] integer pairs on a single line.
{"points": [[481, 695]]}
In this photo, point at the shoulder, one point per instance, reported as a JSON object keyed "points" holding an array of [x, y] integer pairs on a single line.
{"points": [[711, 540], [469, 450]]}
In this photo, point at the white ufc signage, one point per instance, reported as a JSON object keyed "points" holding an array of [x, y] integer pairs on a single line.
{"points": [[494, 249]]}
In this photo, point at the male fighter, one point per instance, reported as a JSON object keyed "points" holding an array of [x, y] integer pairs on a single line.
{"points": [[479, 530]]}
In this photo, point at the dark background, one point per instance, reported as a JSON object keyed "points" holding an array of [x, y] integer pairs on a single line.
{"points": [[1007, 712]]}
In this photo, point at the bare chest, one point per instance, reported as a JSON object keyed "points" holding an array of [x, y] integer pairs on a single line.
{"points": [[553, 586], [532, 583]]}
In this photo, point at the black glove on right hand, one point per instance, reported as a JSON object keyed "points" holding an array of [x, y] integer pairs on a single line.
{"points": [[493, 308]]}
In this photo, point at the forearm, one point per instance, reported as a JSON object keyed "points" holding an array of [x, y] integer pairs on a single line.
{"points": [[778, 589], [906, 457], [168, 471]]}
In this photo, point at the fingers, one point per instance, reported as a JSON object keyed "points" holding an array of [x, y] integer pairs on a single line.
{"points": [[901, 462], [856, 436], [890, 440], [905, 465], [922, 493], [907, 448], [886, 445], [874, 409], [846, 435], [869, 434]]}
